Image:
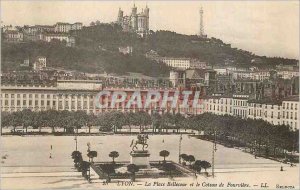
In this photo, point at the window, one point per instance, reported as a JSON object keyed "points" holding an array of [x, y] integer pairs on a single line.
{"points": [[12, 96], [18, 95], [271, 114], [36, 95], [42, 102], [30, 103], [67, 104], [60, 105], [36, 103], [18, 102], [6, 95], [30, 95], [24, 102], [24, 95]]}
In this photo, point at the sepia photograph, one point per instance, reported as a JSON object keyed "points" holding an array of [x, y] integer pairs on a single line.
{"points": [[157, 94]]}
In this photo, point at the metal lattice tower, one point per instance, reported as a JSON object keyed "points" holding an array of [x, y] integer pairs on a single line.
{"points": [[201, 31]]}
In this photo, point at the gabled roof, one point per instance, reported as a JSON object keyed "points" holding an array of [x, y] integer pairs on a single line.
{"points": [[194, 74]]}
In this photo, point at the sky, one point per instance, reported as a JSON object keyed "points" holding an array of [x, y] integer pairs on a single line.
{"points": [[268, 28]]}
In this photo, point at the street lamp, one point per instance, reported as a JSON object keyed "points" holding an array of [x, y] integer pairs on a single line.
{"points": [[88, 150], [179, 152]]}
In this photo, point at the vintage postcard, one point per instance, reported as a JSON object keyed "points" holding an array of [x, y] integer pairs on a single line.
{"points": [[149, 95]]}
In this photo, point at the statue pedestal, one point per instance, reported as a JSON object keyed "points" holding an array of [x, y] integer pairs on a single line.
{"points": [[140, 158]]}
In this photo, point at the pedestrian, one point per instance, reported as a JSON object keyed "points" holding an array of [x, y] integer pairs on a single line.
{"points": [[50, 151], [281, 168]]}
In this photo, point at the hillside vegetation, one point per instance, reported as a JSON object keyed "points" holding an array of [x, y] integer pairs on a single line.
{"points": [[97, 51]]}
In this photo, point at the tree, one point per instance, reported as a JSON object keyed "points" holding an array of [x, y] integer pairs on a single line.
{"points": [[51, 119], [97, 22], [205, 165], [80, 119], [113, 155], [179, 119], [40, 120], [77, 157], [156, 121], [129, 118], [132, 168], [67, 120], [112, 120], [91, 120], [190, 159], [142, 119], [27, 118], [167, 121], [197, 166], [164, 153], [92, 155], [15, 120], [184, 157], [5, 120]]}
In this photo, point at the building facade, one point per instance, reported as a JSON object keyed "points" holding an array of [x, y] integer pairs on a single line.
{"points": [[284, 113], [62, 27], [74, 95], [13, 36], [70, 41], [40, 63], [135, 22]]}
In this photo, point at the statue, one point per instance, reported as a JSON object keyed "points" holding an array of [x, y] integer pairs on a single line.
{"points": [[142, 140]]}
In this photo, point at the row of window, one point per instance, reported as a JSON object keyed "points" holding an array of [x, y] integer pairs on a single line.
{"points": [[36, 103], [221, 101], [48, 96], [219, 108], [286, 105]]}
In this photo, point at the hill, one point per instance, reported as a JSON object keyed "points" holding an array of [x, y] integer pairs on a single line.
{"points": [[97, 51]]}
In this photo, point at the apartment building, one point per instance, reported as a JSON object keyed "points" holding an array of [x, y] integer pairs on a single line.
{"points": [[286, 113], [73, 95]]}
